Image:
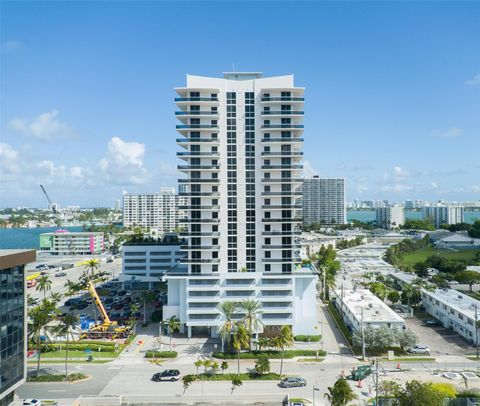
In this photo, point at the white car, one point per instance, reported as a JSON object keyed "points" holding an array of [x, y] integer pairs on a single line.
{"points": [[419, 349], [32, 402], [453, 283]]}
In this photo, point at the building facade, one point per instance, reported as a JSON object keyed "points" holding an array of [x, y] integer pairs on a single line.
{"points": [[323, 201], [242, 140], [13, 321], [390, 216], [145, 262], [160, 211], [361, 307], [444, 214], [63, 242]]}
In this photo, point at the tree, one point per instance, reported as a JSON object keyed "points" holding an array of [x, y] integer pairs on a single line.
{"points": [[147, 297], [379, 290], [67, 323], [92, 266], [421, 394], [236, 382], [470, 277], [214, 367], [389, 389], [198, 363], [55, 297], [134, 308], [283, 341], [340, 394], [224, 366], [328, 267], [375, 338], [227, 309], [252, 311], [187, 381], [262, 365], [474, 231], [410, 295], [241, 340], [393, 296], [44, 285], [263, 342], [173, 326], [406, 338], [206, 364]]}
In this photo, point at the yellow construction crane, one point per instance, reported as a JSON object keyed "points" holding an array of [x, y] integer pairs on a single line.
{"points": [[108, 329]]}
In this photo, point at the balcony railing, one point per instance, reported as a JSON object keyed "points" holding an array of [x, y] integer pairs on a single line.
{"points": [[281, 153], [197, 167], [194, 140], [194, 207], [283, 99], [199, 234], [196, 99], [200, 261], [190, 220], [282, 180], [281, 193], [283, 166], [195, 126], [282, 126], [196, 113], [282, 139], [279, 247], [283, 113], [197, 153], [281, 206], [282, 233], [212, 194], [282, 220], [200, 247], [202, 180], [281, 260]]}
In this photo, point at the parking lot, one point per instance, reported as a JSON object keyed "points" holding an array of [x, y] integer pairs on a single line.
{"points": [[441, 340]]}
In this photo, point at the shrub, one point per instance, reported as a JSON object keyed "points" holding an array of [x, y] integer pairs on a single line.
{"points": [[161, 354], [308, 338], [269, 354], [56, 378], [156, 316]]}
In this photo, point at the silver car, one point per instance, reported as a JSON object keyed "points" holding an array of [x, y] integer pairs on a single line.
{"points": [[419, 349], [292, 382]]}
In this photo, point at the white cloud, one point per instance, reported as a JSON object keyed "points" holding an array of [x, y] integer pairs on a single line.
{"points": [[308, 170], [361, 189], [397, 188], [476, 188], [452, 132], [12, 45], [400, 173], [474, 81], [8, 159], [45, 126], [434, 185]]}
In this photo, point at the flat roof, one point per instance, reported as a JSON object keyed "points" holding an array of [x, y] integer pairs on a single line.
{"points": [[15, 257], [459, 301], [374, 310]]}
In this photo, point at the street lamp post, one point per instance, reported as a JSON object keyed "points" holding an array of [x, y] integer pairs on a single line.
{"points": [[313, 397], [363, 339]]}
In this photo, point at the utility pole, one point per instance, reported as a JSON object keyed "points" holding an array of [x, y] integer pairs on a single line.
{"points": [[363, 339], [324, 283], [476, 328], [376, 382]]}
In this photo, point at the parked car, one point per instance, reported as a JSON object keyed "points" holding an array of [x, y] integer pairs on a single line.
{"points": [[59, 274], [41, 266], [81, 305], [431, 323], [108, 300], [51, 266], [122, 293], [419, 349], [32, 402], [452, 283], [112, 293], [168, 375], [292, 382], [118, 306]]}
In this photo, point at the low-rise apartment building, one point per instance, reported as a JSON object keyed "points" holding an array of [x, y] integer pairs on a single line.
{"points": [[64, 242], [360, 306], [454, 310], [13, 321], [146, 261], [444, 214], [390, 216]]}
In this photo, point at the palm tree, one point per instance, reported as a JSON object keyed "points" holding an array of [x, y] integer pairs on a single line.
{"points": [[91, 266], [241, 340], [65, 327], [252, 310], [72, 288], [236, 382], [187, 381], [263, 342], [282, 341], [227, 309], [223, 366], [147, 296], [341, 393], [173, 326], [198, 363], [39, 317], [134, 308], [44, 284], [214, 367], [55, 297]]}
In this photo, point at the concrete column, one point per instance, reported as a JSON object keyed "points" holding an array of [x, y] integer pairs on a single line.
{"points": [[189, 331], [182, 328]]}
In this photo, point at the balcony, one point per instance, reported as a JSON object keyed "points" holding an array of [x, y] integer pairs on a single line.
{"points": [[280, 260], [197, 140], [188, 127], [281, 126], [200, 247], [282, 220], [282, 99], [279, 247], [197, 167], [281, 233], [281, 206], [281, 140], [282, 180], [195, 154], [195, 194], [200, 261], [188, 234], [190, 207], [195, 99], [283, 166], [281, 153], [280, 193], [282, 113], [193, 221], [196, 113], [201, 180]]}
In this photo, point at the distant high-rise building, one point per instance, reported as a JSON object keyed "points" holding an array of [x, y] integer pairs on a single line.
{"points": [[409, 204], [117, 204], [390, 216], [13, 321], [242, 136], [323, 201], [160, 211], [444, 214]]}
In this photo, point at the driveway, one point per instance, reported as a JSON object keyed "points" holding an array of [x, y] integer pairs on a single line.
{"points": [[441, 340]]}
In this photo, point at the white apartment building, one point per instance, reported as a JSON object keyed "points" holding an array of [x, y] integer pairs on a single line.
{"points": [[444, 214], [323, 201], [454, 310], [160, 211], [64, 242], [242, 140], [361, 306], [145, 262], [390, 216]]}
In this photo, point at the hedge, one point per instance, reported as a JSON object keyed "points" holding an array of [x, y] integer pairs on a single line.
{"points": [[161, 354], [79, 347], [244, 377], [338, 319], [270, 354], [57, 378], [308, 338]]}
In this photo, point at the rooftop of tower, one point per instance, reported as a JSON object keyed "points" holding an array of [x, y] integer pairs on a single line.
{"points": [[242, 75]]}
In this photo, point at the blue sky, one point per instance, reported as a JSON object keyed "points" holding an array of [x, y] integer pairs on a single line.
{"points": [[393, 92]]}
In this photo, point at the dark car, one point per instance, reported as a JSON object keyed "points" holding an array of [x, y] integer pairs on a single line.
{"points": [[59, 274], [81, 305], [118, 306], [292, 381], [128, 299], [431, 323], [122, 293], [168, 375], [108, 300], [112, 293]]}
